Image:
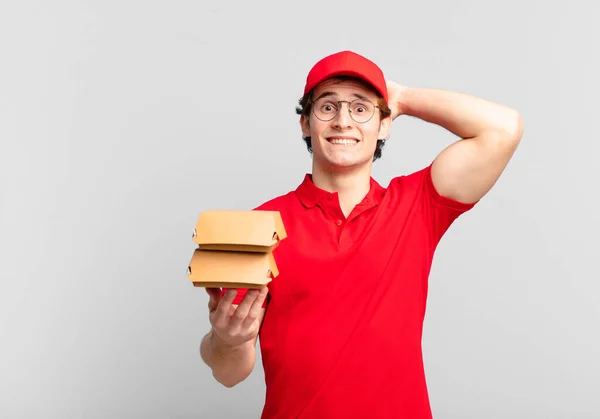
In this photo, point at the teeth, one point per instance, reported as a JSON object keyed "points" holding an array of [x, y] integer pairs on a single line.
{"points": [[344, 141]]}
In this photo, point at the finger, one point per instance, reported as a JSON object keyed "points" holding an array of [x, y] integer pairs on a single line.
{"points": [[213, 292], [215, 296], [221, 314], [242, 311], [257, 306], [213, 301]]}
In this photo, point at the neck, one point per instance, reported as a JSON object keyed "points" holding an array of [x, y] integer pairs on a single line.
{"points": [[352, 184]]}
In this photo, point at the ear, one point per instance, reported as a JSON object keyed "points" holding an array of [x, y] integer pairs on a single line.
{"points": [[384, 128], [305, 126]]}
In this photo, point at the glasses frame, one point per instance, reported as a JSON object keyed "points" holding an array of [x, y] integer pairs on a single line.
{"points": [[339, 102]]}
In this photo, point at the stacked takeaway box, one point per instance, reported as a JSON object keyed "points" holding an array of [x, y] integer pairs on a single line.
{"points": [[235, 248]]}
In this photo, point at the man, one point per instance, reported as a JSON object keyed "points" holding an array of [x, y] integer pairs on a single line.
{"points": [[340, 327]]}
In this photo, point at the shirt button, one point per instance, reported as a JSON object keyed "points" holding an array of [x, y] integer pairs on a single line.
{"points": [[339, 222], [329, 196]]}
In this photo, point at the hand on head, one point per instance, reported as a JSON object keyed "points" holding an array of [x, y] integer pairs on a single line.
{"points": [[395, 96]]}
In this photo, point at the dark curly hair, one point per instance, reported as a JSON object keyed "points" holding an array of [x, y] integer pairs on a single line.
{"points": [[304, 108]]}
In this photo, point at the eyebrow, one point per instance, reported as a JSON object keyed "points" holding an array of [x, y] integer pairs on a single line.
{"points": [[333, 94]]}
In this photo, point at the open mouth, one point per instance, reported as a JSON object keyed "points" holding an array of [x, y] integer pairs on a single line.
{"points": [[342, 141]]}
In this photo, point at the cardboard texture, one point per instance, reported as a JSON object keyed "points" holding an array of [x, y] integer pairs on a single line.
{"points": [[235, 248], [246, 231]]}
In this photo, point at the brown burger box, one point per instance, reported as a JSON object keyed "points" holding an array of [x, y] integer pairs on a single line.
{"points": [[235, 248]]}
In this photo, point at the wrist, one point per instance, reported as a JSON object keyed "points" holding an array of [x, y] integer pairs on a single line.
{"points": [[397, 98], [220, 344], [403, 100]]}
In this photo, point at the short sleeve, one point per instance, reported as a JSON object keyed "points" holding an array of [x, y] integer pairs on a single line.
{"points": [[443, 211], [438, 212]]}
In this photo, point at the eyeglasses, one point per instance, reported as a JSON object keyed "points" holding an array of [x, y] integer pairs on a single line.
{"points": [[360, 110]]}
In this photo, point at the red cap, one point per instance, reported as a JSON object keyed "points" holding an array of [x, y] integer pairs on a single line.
{"points": [[347, 63]]}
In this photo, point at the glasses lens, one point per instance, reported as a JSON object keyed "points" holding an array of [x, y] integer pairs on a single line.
{"points": [[325, 109], [360, 110]]}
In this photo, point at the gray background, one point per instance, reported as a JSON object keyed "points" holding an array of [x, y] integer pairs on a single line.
{"points": [[121, 121]]}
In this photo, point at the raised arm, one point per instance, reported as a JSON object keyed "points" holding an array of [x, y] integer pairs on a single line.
{"points": [[489, 135]]}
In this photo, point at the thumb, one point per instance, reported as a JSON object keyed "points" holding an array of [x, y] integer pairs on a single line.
{"points": [[215, 296]]}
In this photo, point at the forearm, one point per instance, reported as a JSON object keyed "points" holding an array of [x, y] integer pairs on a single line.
{"points": [[229, 365], [464, 115]]}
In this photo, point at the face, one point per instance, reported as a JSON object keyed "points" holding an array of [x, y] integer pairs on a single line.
{"points": [[343, 142]]}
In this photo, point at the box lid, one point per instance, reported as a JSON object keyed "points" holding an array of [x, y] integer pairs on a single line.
{"points": [[219, 269], [239, 230]]}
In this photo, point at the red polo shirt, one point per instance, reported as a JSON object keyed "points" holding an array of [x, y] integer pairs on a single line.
{"points": [[341, 337]]}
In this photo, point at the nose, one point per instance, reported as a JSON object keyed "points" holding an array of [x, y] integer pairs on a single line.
{"points": [[343, 119]]}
